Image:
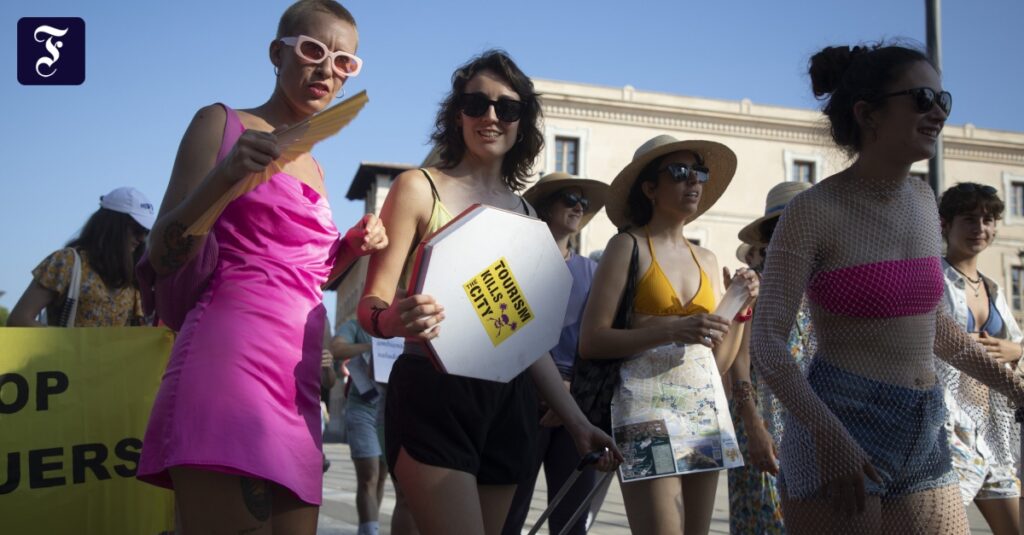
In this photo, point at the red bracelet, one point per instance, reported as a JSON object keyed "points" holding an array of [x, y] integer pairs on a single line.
{"points": [[745, 316]]}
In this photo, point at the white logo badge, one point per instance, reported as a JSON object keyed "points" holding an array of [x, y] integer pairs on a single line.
{"points": [[51, 47]]}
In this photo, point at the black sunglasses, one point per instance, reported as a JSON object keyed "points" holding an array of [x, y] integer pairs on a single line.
{"points": [[506, 109], [968, 187], [681, 172], [925, 98], [570, 200]]}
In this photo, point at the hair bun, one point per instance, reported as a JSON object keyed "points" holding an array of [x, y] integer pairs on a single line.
{"points": [[828, 65]]}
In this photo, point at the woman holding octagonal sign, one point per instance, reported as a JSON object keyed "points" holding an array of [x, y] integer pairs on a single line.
{"points": [[458, 446]]}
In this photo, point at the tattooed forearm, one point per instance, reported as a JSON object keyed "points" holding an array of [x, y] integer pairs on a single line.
{"points": [[177, 246], [256, 495]]}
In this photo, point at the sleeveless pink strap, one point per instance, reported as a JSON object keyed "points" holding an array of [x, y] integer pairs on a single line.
{"points": [[233, 129]]}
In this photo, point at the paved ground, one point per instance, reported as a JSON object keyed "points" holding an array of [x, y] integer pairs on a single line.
{"points": [[338, 514]]}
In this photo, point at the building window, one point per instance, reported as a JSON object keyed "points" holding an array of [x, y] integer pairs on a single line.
{"points": [[803, 171], [1017, 199], [567, 151], [1017, 277]]}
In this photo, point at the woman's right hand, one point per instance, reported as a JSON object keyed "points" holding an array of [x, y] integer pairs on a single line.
{"points": [[252, 153], [844, 466], [416, 316], [704, 329], [761, 447]]}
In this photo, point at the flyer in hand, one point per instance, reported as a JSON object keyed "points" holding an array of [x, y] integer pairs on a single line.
{"points": [[504, 286]]}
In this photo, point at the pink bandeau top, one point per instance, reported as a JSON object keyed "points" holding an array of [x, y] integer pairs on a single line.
{"points": [[887, 289]]}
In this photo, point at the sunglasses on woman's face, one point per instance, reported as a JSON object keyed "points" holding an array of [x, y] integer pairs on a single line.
{"points": [[310, 50], [971, 188], [925, 98], [475, 105], [681, 172], [570, 200]]}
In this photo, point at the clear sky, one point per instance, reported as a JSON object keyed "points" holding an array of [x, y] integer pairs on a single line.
{"points": [[151, 65]]}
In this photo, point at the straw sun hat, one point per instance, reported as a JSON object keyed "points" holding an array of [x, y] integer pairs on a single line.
{"points": [[778, 197], [593, 190], [719, 159]]}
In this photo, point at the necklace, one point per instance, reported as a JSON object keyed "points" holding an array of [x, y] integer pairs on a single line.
{"points": [[975, 284]]}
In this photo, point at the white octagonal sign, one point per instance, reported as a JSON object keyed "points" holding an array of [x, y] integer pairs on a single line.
{"points": [[504, 286]]}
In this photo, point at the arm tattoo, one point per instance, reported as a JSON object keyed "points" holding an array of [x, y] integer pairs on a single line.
{"points": [[256, 495], [178, 245]]}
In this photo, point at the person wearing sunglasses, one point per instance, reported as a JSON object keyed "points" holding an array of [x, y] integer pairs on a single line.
{"points": [[232, 429], [673, 338], [982, 436], [566, 204], [458, 446], [864, 449]]}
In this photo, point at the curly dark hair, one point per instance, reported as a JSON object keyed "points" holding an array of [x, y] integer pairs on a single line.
{"points": [[518, 162], [103, 240], [843, 76], [967, 197]]}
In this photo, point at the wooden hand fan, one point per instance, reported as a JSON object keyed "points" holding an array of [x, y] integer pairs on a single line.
{"points": [[294, 141]]}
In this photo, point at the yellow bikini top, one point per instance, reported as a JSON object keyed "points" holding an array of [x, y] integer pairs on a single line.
{"points": [[439, 217], [655, 295]]}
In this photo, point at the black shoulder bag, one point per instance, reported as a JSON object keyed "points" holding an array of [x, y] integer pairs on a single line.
{"points": [[594, 380]]}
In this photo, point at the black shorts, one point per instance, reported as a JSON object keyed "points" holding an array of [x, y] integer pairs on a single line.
{"points": [[485, 428]]}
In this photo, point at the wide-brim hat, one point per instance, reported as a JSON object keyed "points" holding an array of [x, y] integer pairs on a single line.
{"points": [[778, 197], [719, 159], [594, 190]]}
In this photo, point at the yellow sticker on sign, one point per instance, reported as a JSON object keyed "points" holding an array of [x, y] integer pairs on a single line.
{"points": [[499, 302]]}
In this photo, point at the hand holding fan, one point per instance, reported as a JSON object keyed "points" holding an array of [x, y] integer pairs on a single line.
{"points": [[294, 141]]}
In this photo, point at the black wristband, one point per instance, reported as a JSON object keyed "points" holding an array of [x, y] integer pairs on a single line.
{"points": [[374, 322]]}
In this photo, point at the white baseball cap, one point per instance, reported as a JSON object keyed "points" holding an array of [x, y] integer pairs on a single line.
{"points": [[132, 202]]}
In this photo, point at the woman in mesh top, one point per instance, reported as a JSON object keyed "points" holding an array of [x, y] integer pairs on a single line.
{"points": [[982, 438], [864, 435]]}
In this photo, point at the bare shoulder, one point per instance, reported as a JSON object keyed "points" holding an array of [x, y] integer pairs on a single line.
{"points": [[209, 119], [411, 182]]}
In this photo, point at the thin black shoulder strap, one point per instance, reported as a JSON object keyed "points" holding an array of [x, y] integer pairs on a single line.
{"points": [[431, 181], [526, 209]]}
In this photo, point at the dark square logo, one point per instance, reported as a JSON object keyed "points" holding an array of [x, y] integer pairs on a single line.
{"points": [[51, 51]]}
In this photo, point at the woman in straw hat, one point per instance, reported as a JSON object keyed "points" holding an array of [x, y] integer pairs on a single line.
{"points": [[864, 450], [455, 444], [754, 505], [566, 204], [673, 333]]}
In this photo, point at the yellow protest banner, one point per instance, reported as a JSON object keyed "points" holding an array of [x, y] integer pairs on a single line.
{"points": [[73, 410]]}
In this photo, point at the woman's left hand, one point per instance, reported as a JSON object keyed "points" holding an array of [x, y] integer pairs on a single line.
{"points": [[367, 236], [747, 277], [589, 438], [1004, 351]]}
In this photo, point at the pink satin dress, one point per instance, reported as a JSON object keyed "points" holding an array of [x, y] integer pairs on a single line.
{"points": [[241, 391]]}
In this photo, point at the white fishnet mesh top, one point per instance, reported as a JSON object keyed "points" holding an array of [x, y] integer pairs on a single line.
{"points": [[867, 255]]}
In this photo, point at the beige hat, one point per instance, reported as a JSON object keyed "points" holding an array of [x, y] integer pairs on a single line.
{"points": [[594, 190], [741, 252], [719, 159], [778, 197]]}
